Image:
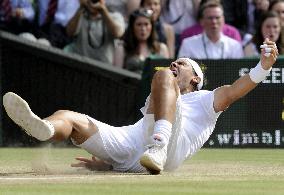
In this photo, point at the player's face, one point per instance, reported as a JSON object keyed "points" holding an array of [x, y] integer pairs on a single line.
{"points": [[271, 28], [182, 70], [142, 28]]}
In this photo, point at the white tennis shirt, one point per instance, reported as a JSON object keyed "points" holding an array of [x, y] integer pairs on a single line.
{"points": [[194, 123]]}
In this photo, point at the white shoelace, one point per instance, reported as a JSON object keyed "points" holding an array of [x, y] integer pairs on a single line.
{"points": [[153, 147]]}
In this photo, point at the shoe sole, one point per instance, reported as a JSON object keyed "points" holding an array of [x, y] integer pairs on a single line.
{"points": [[146, 162], [19, 111]]}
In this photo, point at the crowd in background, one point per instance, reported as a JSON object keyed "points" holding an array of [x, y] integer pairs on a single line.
{"points": [[124, 33]]}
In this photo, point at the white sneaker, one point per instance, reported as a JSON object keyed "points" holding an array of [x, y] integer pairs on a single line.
{"points": [[19, 111], [154, 158]]}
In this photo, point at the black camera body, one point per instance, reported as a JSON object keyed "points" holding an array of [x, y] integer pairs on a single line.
{"points": [[95, 1]]}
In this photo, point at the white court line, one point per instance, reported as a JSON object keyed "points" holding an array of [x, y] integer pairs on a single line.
{"points": [[42, 178], [95, 177], [66, 178]]}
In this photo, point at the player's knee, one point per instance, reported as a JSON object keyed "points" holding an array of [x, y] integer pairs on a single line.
{"points": [[64, 114], [164, 76], [61, 112]]}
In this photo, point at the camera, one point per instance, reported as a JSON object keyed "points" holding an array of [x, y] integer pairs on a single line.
{"points": [[94, 1]]}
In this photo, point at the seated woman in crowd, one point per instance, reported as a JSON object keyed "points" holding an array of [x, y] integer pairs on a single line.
{"points": [[269, 27], [278, 7], [165, 31], [140, 41]]}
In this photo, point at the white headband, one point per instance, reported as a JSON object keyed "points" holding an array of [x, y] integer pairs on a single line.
{"points": [[197, 70]]}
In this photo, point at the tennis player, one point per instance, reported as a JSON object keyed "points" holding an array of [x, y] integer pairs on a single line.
{"points": [[178, 119]]}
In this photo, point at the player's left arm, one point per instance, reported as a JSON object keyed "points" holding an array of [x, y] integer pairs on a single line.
{"points": [[226, 95]]}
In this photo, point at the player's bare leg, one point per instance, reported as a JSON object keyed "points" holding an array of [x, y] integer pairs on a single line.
{"points": [[164, 93], [59, 126], [71, 124]]}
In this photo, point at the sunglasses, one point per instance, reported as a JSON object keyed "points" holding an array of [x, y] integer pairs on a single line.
{"points": [[142, 12]]}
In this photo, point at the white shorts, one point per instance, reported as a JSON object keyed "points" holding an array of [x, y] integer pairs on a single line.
{"points": [[123, 146], [116, 145]]}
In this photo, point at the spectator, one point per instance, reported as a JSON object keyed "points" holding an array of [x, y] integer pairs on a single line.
{"points": [[125, 7], [196, 29], [261, 6], [95, 29], [180, 14], [16, 16], [244, 15], [140, 41], [212, 43], [53, 16], [278, 7], [269, 27], [165, 31], [237, 13]]}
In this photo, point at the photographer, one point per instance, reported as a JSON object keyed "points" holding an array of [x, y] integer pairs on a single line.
{"points": [[94, 29]]}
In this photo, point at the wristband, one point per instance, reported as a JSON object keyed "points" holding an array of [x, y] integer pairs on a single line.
{"points": [[258, 74]]}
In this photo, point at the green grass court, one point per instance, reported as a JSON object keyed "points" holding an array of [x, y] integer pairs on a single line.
{"points": [[211, 171]]}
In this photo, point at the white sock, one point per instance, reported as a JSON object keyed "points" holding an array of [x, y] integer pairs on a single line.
{"points": [[162, 131]]}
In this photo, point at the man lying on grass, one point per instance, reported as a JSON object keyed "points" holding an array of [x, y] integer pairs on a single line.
{"points": [[178, 119]]}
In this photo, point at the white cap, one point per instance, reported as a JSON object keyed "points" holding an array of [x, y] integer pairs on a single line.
{"points": [[197, 70]]}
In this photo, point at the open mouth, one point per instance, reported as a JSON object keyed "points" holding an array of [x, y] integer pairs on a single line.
{"points": [[174, 73]]}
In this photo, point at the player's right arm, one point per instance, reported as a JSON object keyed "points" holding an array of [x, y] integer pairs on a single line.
{"points": [[93, 164], [226, 95]]}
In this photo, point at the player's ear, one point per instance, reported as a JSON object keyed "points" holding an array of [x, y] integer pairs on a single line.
{"points": [[196, 79]]}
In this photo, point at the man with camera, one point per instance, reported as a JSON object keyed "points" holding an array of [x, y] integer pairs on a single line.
{"points": [[94, 29]]}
